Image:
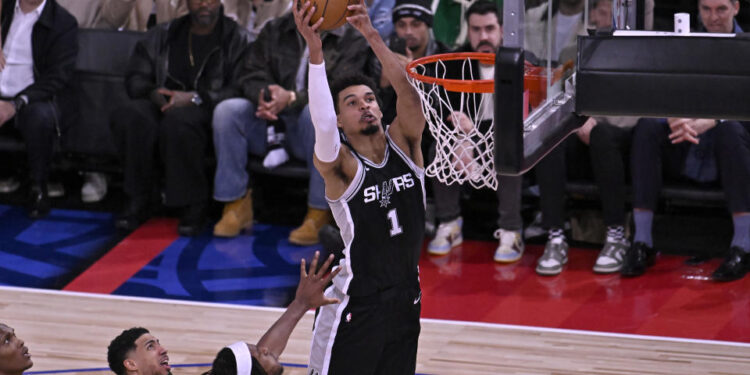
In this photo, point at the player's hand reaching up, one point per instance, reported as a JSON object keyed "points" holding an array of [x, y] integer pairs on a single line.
{"points": [[312, 284], [359, 18], [302, 14]]}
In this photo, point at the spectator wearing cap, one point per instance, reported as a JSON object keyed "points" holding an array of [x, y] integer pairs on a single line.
{"points": [[411, 39]]}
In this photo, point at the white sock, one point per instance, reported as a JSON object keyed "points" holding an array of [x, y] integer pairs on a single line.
{"points": [[275, 157]]}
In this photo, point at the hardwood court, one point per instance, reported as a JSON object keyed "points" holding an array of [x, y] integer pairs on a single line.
{"points": [[72, 330]]}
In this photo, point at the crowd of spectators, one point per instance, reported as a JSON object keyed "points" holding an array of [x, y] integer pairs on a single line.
{"points": [[226, 81]]}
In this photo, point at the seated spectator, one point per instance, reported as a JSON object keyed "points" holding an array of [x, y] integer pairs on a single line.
{"points": [[177, 74], [567, 19], [277, 66], [702, 150], [136, 350], [31, 83], [450, 26], [254, 14], [485, 34], [135, 15], [412, 20], [14, 355]]}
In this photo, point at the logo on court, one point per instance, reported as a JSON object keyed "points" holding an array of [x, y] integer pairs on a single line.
{"points": [[313, 372], [385, 197]]}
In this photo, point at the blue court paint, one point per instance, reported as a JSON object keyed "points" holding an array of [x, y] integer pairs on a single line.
{"points": [[259, 268], [49, 253]]}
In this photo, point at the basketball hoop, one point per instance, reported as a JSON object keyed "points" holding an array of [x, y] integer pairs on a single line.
{"points": [[464, 153]]}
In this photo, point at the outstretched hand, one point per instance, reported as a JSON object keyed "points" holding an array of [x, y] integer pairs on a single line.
{"points": [[303, 12], [359, 18], [312, 284]]}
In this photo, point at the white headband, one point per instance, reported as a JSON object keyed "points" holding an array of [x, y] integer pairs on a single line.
{"points": [[242, 357]]}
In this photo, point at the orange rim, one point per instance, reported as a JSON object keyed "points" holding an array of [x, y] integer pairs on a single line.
{"points": [[457, 85]]}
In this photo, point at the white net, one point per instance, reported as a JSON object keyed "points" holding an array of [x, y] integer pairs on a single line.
{"points": [[464, 152]]}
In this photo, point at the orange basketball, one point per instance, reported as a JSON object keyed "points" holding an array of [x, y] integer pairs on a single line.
{"points": [[334, 13]]}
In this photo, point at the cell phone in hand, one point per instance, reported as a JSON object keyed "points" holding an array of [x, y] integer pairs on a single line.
{"points": [[267, 94], [397, 44]]}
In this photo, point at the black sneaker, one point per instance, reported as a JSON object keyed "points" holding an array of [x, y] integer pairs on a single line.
{"points": [[136, 212], [638, 258], [734, 267], [38, 203], [193, 220]]}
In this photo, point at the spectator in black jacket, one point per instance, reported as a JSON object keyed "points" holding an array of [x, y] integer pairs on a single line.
{"points": [[277, 65], [177, 74], [40, 45]]}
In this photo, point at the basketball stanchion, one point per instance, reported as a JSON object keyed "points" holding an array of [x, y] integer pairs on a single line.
{"points": [[474, 149]]}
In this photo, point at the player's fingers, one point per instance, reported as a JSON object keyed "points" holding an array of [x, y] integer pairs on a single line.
{"points": [[308, 13], [317, 24], [332, 275], [302, 269], [314, 264], [330, 301], [323, 269]]}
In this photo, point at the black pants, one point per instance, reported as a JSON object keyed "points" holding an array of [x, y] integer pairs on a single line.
{"points": [[36, 123], [448, 205], [655, 158], [733, 157], [182, 135], [568, 158], [370, 335], [609, 147]]}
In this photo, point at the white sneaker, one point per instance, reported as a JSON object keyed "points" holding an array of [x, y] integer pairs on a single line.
{"points": [[612, 256], [510, 247], [275, 158], [448, 235], [94, 187], [9, 185], [554, 258]]}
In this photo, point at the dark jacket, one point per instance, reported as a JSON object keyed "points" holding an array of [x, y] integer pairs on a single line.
{"points": [[54, 46], [217, 80], [276, 55], [388, 94]]}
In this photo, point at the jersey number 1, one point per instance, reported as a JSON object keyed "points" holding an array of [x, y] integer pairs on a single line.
{"points": [[396, 228]]}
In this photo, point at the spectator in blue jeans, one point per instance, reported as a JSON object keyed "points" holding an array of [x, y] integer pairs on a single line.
{"points": [[274, 87]]}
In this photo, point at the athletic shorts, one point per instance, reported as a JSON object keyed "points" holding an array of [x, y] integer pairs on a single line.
{"points": [[376, 334]]}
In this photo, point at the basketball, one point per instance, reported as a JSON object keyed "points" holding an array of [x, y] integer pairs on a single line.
{"points": [[334, 13]]}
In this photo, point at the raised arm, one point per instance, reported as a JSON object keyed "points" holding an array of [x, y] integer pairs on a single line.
{"points": [[330, 161], [309, 296], [409, 122]]}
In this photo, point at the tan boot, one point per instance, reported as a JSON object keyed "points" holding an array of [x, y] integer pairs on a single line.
{"points": [[237, 215], [307, 233]]}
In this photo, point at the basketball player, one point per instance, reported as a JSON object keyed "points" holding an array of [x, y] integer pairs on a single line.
{"points": [[136, 351], [14, 355], [374, 185]]}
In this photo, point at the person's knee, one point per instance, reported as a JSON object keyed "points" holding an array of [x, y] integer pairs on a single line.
{"points": [[648, 129], [601, 134], [228, 111], [730, 134], [38, 117]]}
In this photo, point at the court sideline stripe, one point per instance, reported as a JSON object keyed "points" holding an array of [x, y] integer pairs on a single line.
{"points": [[423, 320], [127, 258]]}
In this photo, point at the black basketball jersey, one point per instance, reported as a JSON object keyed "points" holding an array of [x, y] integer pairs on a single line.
{"points": [[381, 217]]}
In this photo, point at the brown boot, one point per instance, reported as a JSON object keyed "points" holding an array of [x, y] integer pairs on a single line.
{"points": [[237, 215], [307, 233]]}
